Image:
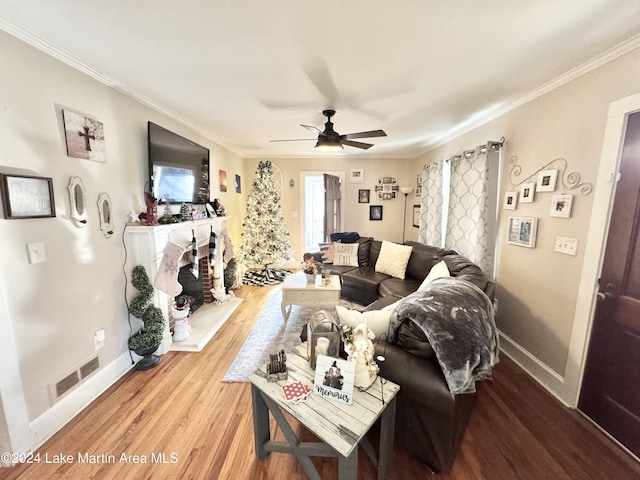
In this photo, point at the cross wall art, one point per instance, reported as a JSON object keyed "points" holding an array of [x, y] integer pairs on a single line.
{"points": [[84, 136]]}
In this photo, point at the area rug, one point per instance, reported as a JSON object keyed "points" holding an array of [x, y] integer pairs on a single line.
{"points": [[269, 336], [264, 278]]}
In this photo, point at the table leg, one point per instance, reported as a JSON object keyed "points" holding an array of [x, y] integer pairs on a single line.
{"points": [[261, 433], [285, 311], [387, 430], [348, 466]]}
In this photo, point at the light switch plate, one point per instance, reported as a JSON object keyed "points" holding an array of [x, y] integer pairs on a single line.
{"points": [[36, 252], [566, 245]]}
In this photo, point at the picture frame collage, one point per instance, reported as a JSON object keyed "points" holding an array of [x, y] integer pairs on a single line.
{"points": [[561, 204]]}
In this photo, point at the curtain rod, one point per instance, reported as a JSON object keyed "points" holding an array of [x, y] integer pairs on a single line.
{"points": [[480, 148]]}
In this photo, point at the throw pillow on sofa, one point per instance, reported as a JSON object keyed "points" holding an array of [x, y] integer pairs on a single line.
{"points": [[439, 270], [376, 320], [345, 254], [393, 259], [326, 250]]}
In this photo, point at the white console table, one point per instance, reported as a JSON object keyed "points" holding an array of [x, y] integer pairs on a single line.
{"points": [[144, 245]]}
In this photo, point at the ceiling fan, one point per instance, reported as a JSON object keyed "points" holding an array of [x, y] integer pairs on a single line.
{"points": [[330, 141]]}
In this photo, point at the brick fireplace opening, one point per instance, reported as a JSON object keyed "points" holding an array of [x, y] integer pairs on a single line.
{"points": [[197, 290]]}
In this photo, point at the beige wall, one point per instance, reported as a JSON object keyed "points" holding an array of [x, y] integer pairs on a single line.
{"points": [[356, 215], [538, 288], [50, 311]]}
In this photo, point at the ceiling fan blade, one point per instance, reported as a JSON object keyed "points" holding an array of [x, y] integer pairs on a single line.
{"points": [[295, 140], [362, 145], [370, 133], [312, 129]]}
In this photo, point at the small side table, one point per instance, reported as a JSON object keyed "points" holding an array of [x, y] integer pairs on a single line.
{"points": [[340, 427], [296, 291]]}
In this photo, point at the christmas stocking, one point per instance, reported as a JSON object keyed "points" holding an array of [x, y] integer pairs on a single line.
{"points": [[167, 277]]}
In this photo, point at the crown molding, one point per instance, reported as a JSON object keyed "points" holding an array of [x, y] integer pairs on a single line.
{"points": [[59, 54], [576, 72], [465, 127]]}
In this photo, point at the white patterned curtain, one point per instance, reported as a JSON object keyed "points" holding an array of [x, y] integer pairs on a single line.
{"points": [[431, 203], [467, 220]]}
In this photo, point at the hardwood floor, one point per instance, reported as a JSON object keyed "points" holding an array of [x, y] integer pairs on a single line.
{"points": [[204, 429]]}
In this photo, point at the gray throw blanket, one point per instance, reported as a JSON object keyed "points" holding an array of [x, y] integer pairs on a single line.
{"points": [[457, 318]]}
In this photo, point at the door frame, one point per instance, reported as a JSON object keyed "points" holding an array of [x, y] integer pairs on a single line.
{"points": [[595, 244]]}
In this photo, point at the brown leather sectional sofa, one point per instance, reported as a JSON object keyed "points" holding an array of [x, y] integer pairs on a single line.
{"points": [[430, 420]]}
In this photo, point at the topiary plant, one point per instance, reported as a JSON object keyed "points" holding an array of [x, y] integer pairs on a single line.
{"points": [[142, 307], [230, 275]]}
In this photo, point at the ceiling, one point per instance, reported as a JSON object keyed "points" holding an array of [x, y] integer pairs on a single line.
{"points": [[243, 73]]}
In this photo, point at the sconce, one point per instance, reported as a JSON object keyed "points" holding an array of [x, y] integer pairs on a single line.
{"points": [[292, 183], [77, 201]]}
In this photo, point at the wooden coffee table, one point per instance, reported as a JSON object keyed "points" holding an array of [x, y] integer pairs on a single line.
{"points": [[340, 427], [296, 291]]}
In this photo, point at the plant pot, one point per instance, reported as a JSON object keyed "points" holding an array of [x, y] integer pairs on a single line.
{"points": [[150, 360]]}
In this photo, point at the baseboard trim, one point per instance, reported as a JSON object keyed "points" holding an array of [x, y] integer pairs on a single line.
{"points": [[51, 421], [549, 379]]}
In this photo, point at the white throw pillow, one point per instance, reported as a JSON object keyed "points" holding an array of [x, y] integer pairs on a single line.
{"points": [[439, 270], [376, 320], [393, 259], [345, 254]]}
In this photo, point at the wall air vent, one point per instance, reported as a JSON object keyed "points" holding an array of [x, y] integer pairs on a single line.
{"points": [[67, 383], [89, 367], [70, 380]]}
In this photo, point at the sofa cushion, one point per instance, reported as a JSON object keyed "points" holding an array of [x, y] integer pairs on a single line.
{"points": [[393, 259], [363, 250], [361, 284], [412, 339], [396, 287], [464, 269], [423, 258], [439, 270], [374, 252]]}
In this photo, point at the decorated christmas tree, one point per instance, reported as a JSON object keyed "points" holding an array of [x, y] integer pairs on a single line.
{"points": [[265, 237]]}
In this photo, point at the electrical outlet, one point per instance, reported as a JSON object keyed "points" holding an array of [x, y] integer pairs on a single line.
{"points": [[98, 339], [566, 245], [36, 252]]}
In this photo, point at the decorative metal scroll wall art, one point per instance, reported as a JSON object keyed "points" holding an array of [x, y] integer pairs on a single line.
{"points": [[570, 181]]}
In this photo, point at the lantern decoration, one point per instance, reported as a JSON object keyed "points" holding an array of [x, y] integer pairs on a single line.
{"points": [[323, 336]]}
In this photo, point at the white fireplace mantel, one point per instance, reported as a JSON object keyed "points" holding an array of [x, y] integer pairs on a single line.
{"points": [[145, 244]]}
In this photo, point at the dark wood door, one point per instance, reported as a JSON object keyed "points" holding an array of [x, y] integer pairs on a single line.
{"points": [[611, 385]]}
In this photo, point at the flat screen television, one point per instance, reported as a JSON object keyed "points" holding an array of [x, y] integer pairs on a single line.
{"points": [[178, 167]]}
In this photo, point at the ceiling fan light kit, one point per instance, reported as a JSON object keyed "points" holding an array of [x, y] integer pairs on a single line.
{"points": [[331, 141]]}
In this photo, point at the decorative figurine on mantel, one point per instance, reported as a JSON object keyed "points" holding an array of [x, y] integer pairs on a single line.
{"points": [[150, 217]]}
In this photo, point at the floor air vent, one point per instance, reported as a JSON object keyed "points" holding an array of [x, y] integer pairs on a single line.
{"points": [[74, 378]]}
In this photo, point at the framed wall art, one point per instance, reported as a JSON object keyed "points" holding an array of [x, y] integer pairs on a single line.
{"points": [[84, 136], [223, 180], [561, 206], [522, 231], [387, 188], [416, 216], [527, 192], [547, 181], [375, 212], [356, 175], [510, 200], [25, 196], [364, 196]]}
